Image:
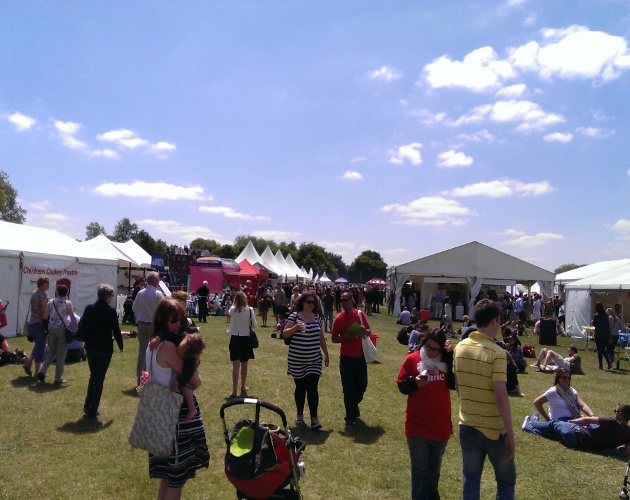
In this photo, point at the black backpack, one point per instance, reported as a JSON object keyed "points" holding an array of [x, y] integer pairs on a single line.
{"points": [[403, 336]]}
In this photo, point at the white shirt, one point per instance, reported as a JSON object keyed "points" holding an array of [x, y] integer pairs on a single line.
{"points": [[240, 322], [146, 302], [557, 407]]}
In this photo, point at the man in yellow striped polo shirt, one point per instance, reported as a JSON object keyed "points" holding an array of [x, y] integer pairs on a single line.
{"points": [[485, 421]]}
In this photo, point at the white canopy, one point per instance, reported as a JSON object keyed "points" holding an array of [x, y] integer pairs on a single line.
{"points": [[324, 278], [26, 252], [129, 253], [249, 253], [473, 264], [299, 272]]}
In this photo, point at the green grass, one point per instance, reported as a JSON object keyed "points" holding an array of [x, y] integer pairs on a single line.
{"points": [[49, 451]]}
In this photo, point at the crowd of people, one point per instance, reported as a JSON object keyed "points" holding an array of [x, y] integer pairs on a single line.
{"points": [[483, 367]]}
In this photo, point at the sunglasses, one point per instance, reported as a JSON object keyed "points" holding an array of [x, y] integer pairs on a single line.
{"points": [[172, 321], [345, 299], [311, 302], [564, 377], [432, 349], [617, 411]]}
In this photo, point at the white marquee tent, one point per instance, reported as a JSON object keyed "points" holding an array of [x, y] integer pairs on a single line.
{"points": [[607, 282], [472, 265], [27, 252]]}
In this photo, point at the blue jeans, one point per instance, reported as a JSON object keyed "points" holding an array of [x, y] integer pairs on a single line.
{"points": [[475, 446], [39, 349], [426, 463], [558, 430]]}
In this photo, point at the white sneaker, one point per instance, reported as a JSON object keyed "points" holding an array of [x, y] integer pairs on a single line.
{"points": [[526, 423], [535, 417]]}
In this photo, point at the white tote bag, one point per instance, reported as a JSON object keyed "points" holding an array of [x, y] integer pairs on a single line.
{"points": [[369, 349]]}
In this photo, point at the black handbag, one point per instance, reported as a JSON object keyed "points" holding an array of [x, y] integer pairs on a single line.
{"points": [[252, 334]]}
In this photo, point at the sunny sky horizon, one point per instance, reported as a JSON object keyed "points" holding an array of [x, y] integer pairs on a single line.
{"points": [[402, 127]]}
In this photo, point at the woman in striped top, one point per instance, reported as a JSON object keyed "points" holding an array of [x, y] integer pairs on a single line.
{"points": [[304, 328]]}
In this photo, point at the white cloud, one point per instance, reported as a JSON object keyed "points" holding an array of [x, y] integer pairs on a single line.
{"points": [[276, 235], [430, 210], [529, 115], [352, 176], [480, 70], [512, 91], [573, 53], [128, 139], [595, 133], [454, 158], [534, 240], [482, 135], [385, 73], [54, 217], [40, 206], [622, 225], [230, 213], [107, 153], [358, 159], [501, 189], [410, 153], [428, 118], [337, 244], [559, 137], [21, 122], [67, 132], [185, 234], [155, 191]]}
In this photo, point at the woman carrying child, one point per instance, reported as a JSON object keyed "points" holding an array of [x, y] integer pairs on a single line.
{"points": [[164, 362]]}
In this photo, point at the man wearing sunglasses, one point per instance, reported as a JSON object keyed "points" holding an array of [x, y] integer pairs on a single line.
{"points": [[352, 365], [592, 433]]}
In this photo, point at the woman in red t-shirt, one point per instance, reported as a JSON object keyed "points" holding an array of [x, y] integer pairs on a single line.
{"points": [[426, 377]]}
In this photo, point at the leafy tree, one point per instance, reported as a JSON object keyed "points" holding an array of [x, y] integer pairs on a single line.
{"points": [[567, 267], [10, 210], [227, 251], [289, 248], [150, 245], [311, 255], [367, 265], [340, 265], [124, 230], [240, 242], [93, 229], [202, 244]]}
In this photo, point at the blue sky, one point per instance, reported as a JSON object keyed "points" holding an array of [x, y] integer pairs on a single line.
{"points": [[402, 127]]}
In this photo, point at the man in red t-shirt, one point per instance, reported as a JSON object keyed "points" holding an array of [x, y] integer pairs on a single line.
{"points": [[352, 365]]}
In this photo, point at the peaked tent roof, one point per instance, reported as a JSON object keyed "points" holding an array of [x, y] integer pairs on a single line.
{"points": [[591, 270], [324, 278], [478, 260], [249, 253], [102, 243], [615, 278], [135, 252], [270, 262], [295, 267], [19, 239], [247, 269]]}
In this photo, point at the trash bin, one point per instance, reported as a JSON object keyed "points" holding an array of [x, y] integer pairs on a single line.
{"points": [[424, 314], [373, 338]]}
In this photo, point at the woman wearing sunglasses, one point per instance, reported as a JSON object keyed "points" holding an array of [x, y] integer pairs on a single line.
{"points": [[426, 377], [564, 404], [304, 328]]}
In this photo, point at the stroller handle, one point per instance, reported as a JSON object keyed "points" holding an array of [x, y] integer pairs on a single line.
{"points": [[258, 403]]}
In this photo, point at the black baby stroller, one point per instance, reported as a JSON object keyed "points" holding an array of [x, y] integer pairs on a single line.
{"points": [[262, 460], [128, 315]]}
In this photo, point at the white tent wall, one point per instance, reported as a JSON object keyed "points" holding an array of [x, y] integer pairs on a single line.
{"points": [[9, 292]]}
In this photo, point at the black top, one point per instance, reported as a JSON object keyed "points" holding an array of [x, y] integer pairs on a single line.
{"points": [[99, 321]]}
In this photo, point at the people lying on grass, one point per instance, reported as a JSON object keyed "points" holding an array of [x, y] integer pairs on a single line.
{"points": [[587, 433], [551, 361], [190, 348], [564, 401]]}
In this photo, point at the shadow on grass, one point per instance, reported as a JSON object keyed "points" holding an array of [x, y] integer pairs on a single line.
{"points": [[311, 437], [363, 434], [85, 425], [130, 392], [23, 381]]}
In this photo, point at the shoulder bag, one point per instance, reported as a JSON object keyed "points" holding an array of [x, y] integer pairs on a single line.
{"points": [[67, 331], [369, 349], [155, 427], [25, 330], [252, 334]]}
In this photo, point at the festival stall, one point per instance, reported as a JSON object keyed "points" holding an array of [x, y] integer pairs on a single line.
{"points": [[26, 252], [217, 271]]}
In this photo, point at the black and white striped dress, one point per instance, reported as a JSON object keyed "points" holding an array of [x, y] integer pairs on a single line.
{"points": [[305, 355]]}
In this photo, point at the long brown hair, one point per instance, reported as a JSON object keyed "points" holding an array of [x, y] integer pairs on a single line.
{"points": [[166, 310], [240, 301]]}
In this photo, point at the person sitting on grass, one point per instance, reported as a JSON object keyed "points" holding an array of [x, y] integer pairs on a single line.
{"points": [[553, 361], [588, 433], [564, 401]]}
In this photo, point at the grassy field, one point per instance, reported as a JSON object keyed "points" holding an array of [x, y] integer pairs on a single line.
{"points": [[48, 450]]}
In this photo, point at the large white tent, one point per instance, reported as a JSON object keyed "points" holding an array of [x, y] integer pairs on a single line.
{"points": [[295, 267], [27, 252], [249, 253], [471, 265], [607, 282]]}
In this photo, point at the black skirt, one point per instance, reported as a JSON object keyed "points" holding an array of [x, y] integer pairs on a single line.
{"points": [[241, 348]]}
